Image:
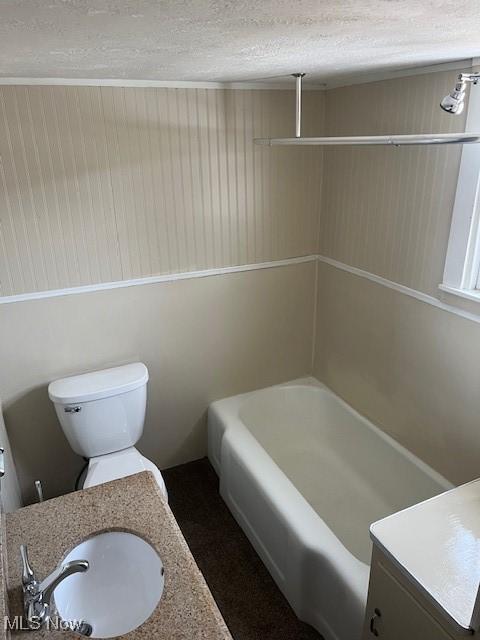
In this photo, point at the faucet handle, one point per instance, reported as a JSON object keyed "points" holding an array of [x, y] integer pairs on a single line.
{"points": [[28, 575]]}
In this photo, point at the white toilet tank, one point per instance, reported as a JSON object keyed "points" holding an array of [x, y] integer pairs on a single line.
{"points": [[102, 411]]}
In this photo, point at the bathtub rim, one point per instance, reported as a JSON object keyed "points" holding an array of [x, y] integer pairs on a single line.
{"points": [[227, 412], [231, 405]]}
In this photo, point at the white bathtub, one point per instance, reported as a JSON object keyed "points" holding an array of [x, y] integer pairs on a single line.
{"points": [[305, 475]]}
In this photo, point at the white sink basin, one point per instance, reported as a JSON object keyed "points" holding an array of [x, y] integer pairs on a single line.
{"points": [[121, 588]]}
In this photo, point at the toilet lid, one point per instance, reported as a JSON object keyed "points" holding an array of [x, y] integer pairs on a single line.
{"points": [[120, 464]]}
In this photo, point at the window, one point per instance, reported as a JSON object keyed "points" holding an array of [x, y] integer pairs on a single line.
{"points": [[462, 267]]}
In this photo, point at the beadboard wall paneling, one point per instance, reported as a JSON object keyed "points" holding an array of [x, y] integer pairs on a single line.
{"points": [[101, 184], [387, 210]]}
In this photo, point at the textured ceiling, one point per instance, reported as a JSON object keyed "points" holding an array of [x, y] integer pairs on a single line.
{"points": [[232, 40]]}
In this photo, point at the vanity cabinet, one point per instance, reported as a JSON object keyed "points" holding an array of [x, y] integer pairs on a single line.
{"points": [[425, 571], [397, 610]]}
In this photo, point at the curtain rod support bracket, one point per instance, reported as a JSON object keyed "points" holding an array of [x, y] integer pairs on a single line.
{"points": [[298, 103]]}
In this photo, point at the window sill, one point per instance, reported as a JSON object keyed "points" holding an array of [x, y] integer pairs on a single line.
{"points": [[473, 294]]}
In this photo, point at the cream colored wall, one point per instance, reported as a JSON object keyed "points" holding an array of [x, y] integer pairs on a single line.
{"points": [[99, 184], [93, 190], [201, 339], [102, 184], [413, 369]]}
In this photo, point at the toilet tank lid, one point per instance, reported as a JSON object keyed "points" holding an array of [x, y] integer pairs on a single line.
{"points": [[98, 384]]}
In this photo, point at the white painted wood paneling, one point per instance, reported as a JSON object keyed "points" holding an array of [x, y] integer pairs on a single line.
{"points": [[101, 184], [387, 210]]}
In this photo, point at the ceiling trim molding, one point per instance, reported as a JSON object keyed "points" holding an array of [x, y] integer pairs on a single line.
{"points": [[164, 84], [260, 85], [379, 76]]}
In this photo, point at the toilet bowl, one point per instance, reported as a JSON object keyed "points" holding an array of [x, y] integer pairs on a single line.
{"points": [[102, 415]]}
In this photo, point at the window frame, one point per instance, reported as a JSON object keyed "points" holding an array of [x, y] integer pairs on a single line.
{"points": [[461, 276]]}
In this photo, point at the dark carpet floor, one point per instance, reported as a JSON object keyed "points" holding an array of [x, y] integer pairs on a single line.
{"points": [[250, 602]]}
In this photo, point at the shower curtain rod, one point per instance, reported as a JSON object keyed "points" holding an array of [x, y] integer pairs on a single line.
{"points": [[392, 140], [395, 140]]}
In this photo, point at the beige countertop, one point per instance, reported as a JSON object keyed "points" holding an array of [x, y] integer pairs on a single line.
{"points": [[186, 610], [436, 545]]}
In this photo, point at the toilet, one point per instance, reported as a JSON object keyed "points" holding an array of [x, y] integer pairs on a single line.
{"points": [[102, 414]]}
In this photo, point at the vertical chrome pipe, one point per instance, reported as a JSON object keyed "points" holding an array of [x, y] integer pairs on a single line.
{"points": [[298, 104], [39, 490]]}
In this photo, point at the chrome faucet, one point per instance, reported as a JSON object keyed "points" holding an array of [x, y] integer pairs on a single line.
{"points": [[37, 595]]}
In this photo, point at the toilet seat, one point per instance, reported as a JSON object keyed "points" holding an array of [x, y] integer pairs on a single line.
{"points": [[120, 464]]}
